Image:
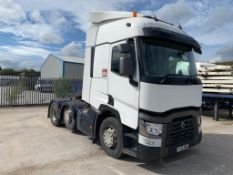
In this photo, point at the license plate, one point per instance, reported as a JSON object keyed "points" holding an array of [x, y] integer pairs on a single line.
{"points": [[182, 148]]}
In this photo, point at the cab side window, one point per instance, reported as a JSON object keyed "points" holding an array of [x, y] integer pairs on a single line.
{"points": [[115, 62]]}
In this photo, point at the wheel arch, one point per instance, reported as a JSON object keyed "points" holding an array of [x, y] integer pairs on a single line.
{"points": [[105, 112]]}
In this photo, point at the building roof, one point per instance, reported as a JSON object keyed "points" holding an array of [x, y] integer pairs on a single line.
{"points": [[69, 59]]}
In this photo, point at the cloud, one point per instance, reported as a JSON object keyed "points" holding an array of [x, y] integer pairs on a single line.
{"points": [[11, 12], [23, 51], [36, 16], [45, 23], [29, 43], [41, 32], [176, 12], [34, 25], [219, 17], [19, 62], [226, 53], [214, 29], [73, 50], [22, 56], [79, 9]]}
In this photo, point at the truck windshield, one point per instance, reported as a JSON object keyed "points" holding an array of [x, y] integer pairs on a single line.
{"points": [[163, 58]]}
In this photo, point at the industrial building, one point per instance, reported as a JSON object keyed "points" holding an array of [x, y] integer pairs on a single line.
{"points": [[62, 67]]}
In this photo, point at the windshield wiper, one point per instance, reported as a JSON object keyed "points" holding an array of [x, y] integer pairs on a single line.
{"points": [[166, 77], [189, 79]]}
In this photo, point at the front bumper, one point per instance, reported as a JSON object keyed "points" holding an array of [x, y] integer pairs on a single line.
{"points": [[146, 153], [173, 135]]}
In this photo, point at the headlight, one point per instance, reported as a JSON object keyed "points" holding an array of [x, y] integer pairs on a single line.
{"points": [[153, 128], [150, 134]]}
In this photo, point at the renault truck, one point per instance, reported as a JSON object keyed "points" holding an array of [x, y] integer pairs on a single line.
{"points": [[141, 95]]}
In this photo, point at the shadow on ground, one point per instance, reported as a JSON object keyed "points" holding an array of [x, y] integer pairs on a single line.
{"points": [[223, 113], [213, 156]]}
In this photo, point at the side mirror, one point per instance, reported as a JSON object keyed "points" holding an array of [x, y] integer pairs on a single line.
{"points": [[125, 59], [126, 67]]}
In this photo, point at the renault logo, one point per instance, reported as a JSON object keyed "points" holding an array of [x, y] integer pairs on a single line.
{"points": [[183, 125]]}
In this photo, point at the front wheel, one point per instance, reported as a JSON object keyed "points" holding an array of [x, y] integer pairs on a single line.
{"points": [[111, 137]]}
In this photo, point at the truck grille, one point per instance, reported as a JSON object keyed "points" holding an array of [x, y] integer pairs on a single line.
{"points": [[180, 131]]}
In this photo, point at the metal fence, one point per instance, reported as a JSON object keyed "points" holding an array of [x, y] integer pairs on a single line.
{"points": [[22, 91]]}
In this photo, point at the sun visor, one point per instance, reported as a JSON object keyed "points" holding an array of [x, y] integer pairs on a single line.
{"points": [[173, 36]]}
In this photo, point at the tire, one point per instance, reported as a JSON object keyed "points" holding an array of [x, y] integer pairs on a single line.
{"points": [[54, 115], [111, 138], [68, 118]]}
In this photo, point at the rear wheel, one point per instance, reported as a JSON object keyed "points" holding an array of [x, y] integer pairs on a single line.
{"points": [[111, 137], [54, 115], [68, 118]]}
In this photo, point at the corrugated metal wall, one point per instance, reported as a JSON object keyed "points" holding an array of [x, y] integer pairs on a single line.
{"points": [[73, 70]]}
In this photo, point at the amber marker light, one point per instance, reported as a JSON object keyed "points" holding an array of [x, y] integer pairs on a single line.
{"points": [[135, 14]]}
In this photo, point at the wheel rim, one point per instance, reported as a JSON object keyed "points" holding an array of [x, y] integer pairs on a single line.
{"points": [[110, 138], [67, 116]]}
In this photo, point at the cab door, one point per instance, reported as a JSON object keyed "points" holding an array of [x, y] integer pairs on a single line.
{"points": [[99, 81], [125, 95]]}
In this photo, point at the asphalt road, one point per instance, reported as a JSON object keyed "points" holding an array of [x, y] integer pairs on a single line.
{"points": [[29, 144]]}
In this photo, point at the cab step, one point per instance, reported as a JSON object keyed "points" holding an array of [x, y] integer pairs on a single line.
{"points": [[132, 136], [130, 151]]}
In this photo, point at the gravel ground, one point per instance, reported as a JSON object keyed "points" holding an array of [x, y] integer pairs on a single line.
{"points": [[29, 144]]}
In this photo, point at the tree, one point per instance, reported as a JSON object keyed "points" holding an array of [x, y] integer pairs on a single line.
{"points": [[8, 71], [28, 72], [22, 72]]}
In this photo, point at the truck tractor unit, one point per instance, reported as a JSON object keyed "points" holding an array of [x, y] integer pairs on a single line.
{"points": [[141, 95]]}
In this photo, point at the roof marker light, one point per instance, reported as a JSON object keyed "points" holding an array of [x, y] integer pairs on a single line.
{"points": [[135, 14]]}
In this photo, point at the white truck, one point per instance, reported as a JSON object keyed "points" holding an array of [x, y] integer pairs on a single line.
{"points": [[141, 95]]}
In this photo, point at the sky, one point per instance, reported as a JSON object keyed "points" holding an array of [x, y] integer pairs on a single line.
{"points": [[30, 30]]}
